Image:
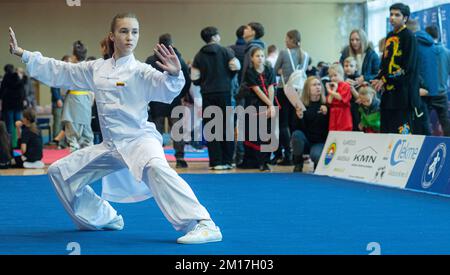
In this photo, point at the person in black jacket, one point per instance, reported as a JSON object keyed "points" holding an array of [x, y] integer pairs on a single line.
{"points": [[12, 96], [260, 78], [312, 125], [213, 68], [30, 142], [159, 111], [400, 107]]}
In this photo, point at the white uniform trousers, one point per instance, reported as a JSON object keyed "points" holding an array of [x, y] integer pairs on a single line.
{"points": [[90, 212]]}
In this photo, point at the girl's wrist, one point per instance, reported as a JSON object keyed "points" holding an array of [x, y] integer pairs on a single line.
{"points": [[19, 52]]}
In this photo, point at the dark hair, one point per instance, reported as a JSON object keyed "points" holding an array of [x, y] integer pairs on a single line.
{"points": [[165, 39], [254, 50], [90, 58], [321, 63], [208, 32], [404, 9], [108, 46], [271, 49], [295, 36], [433, 31], [121, 16], [5, 147], [240, 31], [79, 50], [8, 68], [30, 115], [258, 28]]}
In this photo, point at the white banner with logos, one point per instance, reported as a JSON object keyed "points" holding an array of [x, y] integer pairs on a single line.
{"points": [[385, 159]]}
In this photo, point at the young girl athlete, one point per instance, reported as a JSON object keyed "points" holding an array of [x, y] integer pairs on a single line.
{"points": [[123, 87]]}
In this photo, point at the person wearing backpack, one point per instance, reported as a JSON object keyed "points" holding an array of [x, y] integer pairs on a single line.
{"points": [[290, 63]]}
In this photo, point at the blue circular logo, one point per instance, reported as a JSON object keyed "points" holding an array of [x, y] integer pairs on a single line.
{"points": [[434, 165]]}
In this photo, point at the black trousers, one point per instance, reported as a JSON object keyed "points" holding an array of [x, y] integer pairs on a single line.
{"points": [[393, 121], [439, 103], [287, 123], [220, 152], [254, 156]]}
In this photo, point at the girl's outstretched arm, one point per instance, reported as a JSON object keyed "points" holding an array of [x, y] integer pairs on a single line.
{"points": [[51, 72]]}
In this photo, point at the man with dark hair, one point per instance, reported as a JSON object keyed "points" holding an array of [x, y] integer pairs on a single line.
{"points": [[253, 33], [208, 33], [213, 68], [400, 100], [256, 29], [440, 101], [403, 9], [159, 111]]}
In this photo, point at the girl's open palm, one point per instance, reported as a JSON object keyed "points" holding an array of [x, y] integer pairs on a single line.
{"points": [[169, 60], [13, 47]]}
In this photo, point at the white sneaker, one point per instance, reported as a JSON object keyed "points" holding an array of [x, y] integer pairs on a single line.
{"points": [[34, 165], [203, 232]]}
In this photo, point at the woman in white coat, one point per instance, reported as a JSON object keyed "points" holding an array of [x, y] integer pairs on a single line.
{"points": [[123, 87]]}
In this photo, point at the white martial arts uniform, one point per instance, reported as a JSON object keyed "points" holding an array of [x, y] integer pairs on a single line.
{"points": [[123, 88]]}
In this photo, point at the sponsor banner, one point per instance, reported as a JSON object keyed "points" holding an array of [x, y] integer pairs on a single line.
{"points": [[385, 159], [401, 153], [432, 170], [337, 153]]}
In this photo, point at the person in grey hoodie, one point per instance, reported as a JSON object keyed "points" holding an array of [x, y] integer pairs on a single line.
{"points": [[439, 102]]}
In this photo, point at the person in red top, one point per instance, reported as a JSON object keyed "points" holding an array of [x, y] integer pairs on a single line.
{"points": [[338, 99]]}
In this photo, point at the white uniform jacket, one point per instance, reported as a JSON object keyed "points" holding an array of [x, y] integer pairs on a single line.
{"points": [[123, 88]]}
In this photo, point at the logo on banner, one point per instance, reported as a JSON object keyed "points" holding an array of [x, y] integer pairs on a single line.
{"points": [[379, 174], [403, 152], [366, 155], [434, 165], [331, 151]]}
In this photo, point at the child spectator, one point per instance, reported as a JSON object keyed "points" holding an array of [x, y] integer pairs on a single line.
{"points": [[369, 110], [351, 76], [260, 79], [351, 70], [339, 96], [30, 142]]}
